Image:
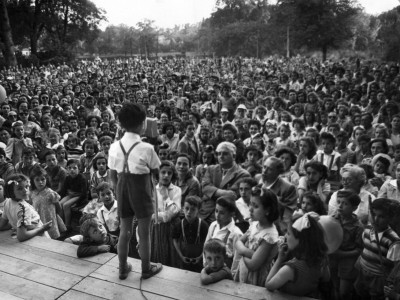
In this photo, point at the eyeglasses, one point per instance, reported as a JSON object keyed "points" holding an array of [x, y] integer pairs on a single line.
{"points": [[331, 117]]}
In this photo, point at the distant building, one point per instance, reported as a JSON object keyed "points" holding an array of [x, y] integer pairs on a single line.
{"points": [[26, 51]]}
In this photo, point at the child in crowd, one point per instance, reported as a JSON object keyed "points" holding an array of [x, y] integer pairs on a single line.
{"points": [[19, 214], [310, 202], [46, 201], [301, 275], [224, 228], [95, 239], [382, 164], [17, 143], [207, 158], [169, 206], [54, 138], [342, 261], [73, 147], [258, 246], [381, 251], [86, 159], [108, 213], [243, 203], [57, 174], [251, 164], [62, 156], [74, 190], [328, 156], [307, 148], [105, 143], [101, 174], [130, 174], [215, 268], [28, 161], [189, 235], [284, 137]]}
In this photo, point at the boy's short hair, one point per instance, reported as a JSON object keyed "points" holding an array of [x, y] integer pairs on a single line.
{"points": [[28, 151], [131, 115], [227, 203], [248, 180], [194, 201], [103, 186], [105, 138], [215, 246], [383, 205], [86, 217], [329, 137], [86, 225], [353, 198], [73, 162], [343, 134]]}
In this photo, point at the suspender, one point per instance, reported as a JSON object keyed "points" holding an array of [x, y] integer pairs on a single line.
{"points": [[198, 232], [126, 154], [226, 236], [331, 163], [105, 223]]}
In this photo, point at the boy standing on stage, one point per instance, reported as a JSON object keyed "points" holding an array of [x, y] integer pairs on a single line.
{"points": [[131, 161]]}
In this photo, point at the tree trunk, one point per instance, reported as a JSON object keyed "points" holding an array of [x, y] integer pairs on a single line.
{"points": [[6, 35], [324, 52], [34, 36]]}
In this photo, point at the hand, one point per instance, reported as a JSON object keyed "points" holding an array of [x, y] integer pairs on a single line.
{"points": [[103, 248], [376, 181], [47, 225], [389, 292], [186, 260], [196, 260], [283, 251]]}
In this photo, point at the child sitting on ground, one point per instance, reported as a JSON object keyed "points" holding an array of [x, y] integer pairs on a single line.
{"points": [[189, 235], [96, 239], [18, 214], [215, 269], [28, 161]]}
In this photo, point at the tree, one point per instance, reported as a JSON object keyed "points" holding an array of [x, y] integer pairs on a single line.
{"points": [[320, 24], [389, 33], [61, 23], [6, 39]]}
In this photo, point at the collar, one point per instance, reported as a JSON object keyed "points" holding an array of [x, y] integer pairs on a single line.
{"points": [[99, 176], [272, 184], [227, 170], [230, 227], [170, 187], [114, 207]]}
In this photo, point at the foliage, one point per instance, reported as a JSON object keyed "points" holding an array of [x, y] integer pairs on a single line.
{"points": [[389, 33]]}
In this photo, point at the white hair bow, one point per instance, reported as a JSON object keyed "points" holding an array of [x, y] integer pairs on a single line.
{"points": [[304, 221]]}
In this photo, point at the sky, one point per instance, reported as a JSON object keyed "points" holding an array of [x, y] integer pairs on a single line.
{"points": [[167, 13]]}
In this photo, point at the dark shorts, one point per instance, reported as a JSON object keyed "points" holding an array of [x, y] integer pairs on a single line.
{"points": [[369, 285], [345, 268], [134, 195]]}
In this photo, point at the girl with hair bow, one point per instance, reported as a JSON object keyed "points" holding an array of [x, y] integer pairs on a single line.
{"points": [[301, 275]]}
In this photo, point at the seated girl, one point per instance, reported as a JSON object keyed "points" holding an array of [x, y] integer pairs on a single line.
{"points": [[18, 214]]}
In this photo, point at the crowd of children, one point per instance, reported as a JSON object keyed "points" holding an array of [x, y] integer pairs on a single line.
{"points": [[138, 151]]}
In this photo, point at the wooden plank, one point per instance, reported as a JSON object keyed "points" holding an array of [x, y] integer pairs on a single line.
{"points": [[50, 259], [25, 289], [38, 273], [78, 295], [229, 287], [172, 289], [109, 290], [59, 247], [8, 296]]}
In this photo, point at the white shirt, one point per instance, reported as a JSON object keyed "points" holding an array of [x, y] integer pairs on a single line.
{"points": [[110, 216], [141, 159]]}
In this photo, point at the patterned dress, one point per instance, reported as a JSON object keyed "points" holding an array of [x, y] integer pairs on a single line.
{"points": [[256, 236], [43, 202]]}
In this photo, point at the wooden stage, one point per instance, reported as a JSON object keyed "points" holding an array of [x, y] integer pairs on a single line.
{"points": [[42, 268]]}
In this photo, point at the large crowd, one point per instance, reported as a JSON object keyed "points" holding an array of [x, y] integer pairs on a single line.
{"points": [[246, 157]]}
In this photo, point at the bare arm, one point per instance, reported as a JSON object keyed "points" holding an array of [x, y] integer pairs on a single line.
{"points": [[207, 278], [24, 234], [254, 262]]}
